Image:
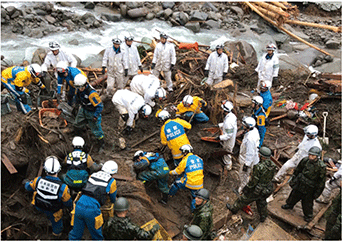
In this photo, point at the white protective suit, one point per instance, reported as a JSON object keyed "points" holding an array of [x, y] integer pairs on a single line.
{"points": [[248, 155], [115, 69], [327, 192], [52, 60], [216, 65], [164, 57], [303, 148], [131, 60], [128, 102], [145, 86], [267, 69], [228, 138]]}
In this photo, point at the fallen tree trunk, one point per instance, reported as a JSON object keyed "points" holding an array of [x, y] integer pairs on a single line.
{"points": [[323, 26], [273, 8]]}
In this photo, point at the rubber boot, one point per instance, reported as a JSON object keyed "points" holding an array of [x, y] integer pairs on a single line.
{"points": [[102, 145], [164, 199]]}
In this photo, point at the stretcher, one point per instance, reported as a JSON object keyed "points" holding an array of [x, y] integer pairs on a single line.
{"points": [[214, 130]]}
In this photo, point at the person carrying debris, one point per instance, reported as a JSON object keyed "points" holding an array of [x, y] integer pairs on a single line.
{"points": [[217, 66], [333, 228], [268, 67], [173, 134], [79, 165], [192, 168], [259, 187], [120, 227], [90, 110], [260, 116], [148, 87], [307, 182], [158, 170], [17, 78], [164, 60], [114, 61], [192, 232], [310, 139], [50, 194], [87, 211], [191, 105], [229, 131], [203, 213], [132, 61], [55, 55], [248, 155], [67, 74], [267, 96], [330, 185], [129, 106]]}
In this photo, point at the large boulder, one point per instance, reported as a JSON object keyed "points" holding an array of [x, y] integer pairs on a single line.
{"points": [[123, 10], [10, 10], [237, 10], [307, 56], [332, 67], [198, 16], [195, 26], [167, 13], [329, 6], [246, 50], [89, 5], [333, 44], [210, 6], [134, 4], [211, 24], [287, 62], [137, 12], [166, 5], [51, 20], [112, 17]]}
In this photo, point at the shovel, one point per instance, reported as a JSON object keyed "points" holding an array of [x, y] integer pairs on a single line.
{"points": [[325, 139]]}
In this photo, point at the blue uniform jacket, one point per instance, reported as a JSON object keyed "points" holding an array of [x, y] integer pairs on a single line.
{"points": [[154, 162]]}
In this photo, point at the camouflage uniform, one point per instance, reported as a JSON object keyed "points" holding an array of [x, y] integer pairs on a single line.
{"points": [[333, 230], [203, 218], [123, 229], [258, 189], [307, 182]]}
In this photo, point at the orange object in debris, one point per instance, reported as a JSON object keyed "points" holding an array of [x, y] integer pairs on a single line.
{"points": [[50, 112], [210, 139], [189, 46], [145, 72], [247, 210], [50, 103]]}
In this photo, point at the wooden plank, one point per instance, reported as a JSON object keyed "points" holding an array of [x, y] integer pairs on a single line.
{"points": [[122, 178], [331, 76], [270, 231], [315, 220], [276, 162], [8, 164], [148, 137]]}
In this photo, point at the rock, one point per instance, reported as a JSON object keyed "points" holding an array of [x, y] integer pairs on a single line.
{"points": [[15, 14], [166, 5], [51, 20], [123, 10], [36, 33], [137, 12], [3, 13], [195, 26], [332, 67], [329, 6], [29, 17], [208, 5], [73, 42], [211, 24], [89, 5], [212, 15], [96, 24], [286, 47], [296, 32], [256, 28], [317, 63], [237, 10], [150, 16], [249, 53], [306, 57], [112, 17], [133, 5], [198, 16], [160, 14], [66, 4], [10, 10], [288, 63], [167, 13], [41, 12], [183, 18], [328, 58], [332, 44]]}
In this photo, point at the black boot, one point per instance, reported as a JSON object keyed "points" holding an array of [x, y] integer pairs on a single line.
{"points": [[102, 145], [286, 206], [164, 199]]}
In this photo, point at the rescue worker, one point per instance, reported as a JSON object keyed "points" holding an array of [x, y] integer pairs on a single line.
{"points": [[173, 134], [50, 195], [67, 74], [149, 88], [129, 106], [307, 182], [267, 97], [260, 116], [191, 105], [120, 227], [158, 170], [229, 131], [217, 66], [259, 187], [268, 67], [90, 111], [55, 55], [203, 212], [333, 228], [132, 61], [17, 78], [94, 195], [310, 139], [114, 61], [164, 60], [192, 232], [192, 168], [331, 185], [248, 154], [79, 165]]}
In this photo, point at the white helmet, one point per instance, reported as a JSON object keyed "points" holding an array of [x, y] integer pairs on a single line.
{"points": [[186, 148], [78, 142], [311, 130], [62, 67], [146, 109], [163, 115], [249, 122], [160, 93], [227, 106], [52, 165], [110, 167], [54, 46], [257, 100], [116, 41], [312, 96], [266, 84], [137, 155], [187, 100], [129, 38], [271, 47], [80, 80], [35, 70]]}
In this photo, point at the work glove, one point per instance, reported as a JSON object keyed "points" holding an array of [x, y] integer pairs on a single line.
{"points": [[141, 68], [126, 72], [103, 70], [217, 138], [22, 98], [156, 227], [203, 103], [206, 73], [171, 67], [153, 66], [332, 180], [44, 74], [25, 181], [275, 79], [128, 129], [224, 74], [245, 168], [95, 119]]}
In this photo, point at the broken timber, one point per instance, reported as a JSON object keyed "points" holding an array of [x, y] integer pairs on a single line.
{"points": [[8, 164], [269, 230]]}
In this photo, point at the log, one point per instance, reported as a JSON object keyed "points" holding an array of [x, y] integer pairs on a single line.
{"points": [[280, 5], [315, 220], [18, 135], [322, 26], [268, 13], [8, 164], [276, 162], [278, 117], [98, 81], [273, 8], [148, 137]]}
